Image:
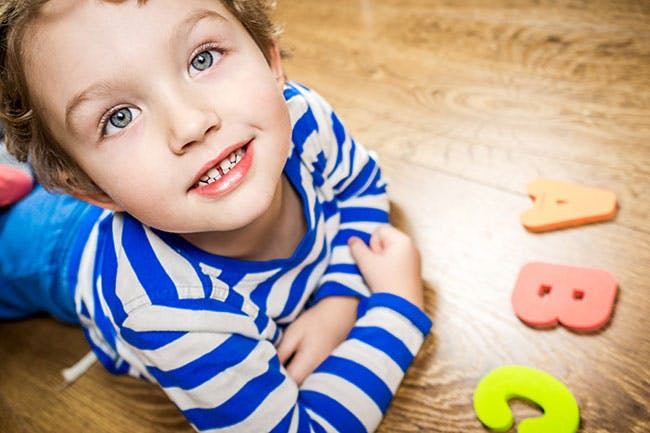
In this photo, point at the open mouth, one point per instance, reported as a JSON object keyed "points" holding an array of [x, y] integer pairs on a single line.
{"points": [[221, 168], [221, 176]]}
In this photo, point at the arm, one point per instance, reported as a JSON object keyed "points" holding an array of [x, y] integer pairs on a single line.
{"points": [[221, 372], [363, 207], [234, 382], [350, 179], [354, 192], [360, 193]]}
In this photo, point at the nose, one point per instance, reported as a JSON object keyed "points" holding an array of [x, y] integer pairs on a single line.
{"points": [[190, 117]]}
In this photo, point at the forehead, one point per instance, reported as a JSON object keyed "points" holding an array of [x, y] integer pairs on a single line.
{"points": [[86, 23], [71, 41], [60, 17]]}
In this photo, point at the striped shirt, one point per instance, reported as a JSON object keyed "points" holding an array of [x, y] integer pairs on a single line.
{"points": [[205, 327]]}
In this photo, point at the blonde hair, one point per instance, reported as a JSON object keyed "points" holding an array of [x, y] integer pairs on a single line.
{"points": [[26, 134]]}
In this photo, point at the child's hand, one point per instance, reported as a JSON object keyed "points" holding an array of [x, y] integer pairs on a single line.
{"points": [[391, 264], [314, 335]]}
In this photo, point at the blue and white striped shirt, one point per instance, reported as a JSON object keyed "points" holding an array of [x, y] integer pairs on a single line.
{"points": [[205, 327]]}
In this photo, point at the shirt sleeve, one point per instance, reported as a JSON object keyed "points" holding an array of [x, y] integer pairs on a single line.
{"points": [[232, 381], [344, 167]]}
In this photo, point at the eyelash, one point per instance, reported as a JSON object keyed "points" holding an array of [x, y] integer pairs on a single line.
{"points": [[206, 46], [105, 118]]}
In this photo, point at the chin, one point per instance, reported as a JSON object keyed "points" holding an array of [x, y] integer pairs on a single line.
{"points": [[242, 215]]}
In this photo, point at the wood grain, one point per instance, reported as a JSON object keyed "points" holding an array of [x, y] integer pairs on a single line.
{"points": [[465, 102]]}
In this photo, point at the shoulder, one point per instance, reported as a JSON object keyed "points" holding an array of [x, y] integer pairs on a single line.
{"points": [[317, 133], [307, 108], [295, 92], [137, 267]]}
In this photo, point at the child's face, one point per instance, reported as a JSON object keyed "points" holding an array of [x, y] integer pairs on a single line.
{"points": [[149, 99]]}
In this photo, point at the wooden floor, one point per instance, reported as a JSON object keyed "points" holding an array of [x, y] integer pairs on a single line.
{"points": [[466, 102]]}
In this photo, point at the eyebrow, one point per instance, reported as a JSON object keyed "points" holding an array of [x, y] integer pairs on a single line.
{"points": [[193, 19], [103, 89]]}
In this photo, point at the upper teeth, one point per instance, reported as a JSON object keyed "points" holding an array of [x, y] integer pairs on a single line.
{"points": [[221, 168]]}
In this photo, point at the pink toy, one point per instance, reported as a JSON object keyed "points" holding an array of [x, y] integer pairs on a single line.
{"points": [[581, 299], [14, 184]]}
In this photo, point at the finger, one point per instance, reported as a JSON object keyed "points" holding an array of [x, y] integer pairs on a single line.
{"points": [[287, 347], [302, 365], [389, 235], [376, 244], [360, 252]]}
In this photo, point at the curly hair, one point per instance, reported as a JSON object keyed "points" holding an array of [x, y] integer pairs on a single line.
{"points": [[26, 134]]}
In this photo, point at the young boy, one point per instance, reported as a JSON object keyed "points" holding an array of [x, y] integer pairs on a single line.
{"points": [[211, 250]]}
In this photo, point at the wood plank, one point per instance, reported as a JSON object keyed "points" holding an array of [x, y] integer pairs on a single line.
{"points": [[490, 114], [34, 398], [471, 257]]}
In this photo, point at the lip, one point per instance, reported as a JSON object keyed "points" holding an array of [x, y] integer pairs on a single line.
{"points": [[228, 181]]}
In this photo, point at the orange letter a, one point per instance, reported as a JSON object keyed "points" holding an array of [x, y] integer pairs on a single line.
{"points": [[559, 204]]}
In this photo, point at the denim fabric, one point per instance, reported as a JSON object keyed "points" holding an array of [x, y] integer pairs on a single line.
{"points": [[36, 239]]}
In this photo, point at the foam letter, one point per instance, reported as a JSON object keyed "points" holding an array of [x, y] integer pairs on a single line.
{"points": [[559, 204], [579, 298], [561, 414]]}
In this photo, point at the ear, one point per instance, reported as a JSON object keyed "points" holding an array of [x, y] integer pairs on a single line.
{"points": [[275, 62], [98, 199]]}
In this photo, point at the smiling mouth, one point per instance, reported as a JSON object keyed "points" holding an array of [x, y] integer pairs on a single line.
{"points": [[221, 168]]}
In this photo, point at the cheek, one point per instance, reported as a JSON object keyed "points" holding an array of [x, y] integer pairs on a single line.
{"points": [[281, 124], [279, 115], [269, 112], [121, 174]]}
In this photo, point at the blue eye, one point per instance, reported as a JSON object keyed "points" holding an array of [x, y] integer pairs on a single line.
{"points": [[119, 119], [204, 60]]}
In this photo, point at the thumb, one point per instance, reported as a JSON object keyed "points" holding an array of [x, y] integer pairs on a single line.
{"points": [[361, 253]]}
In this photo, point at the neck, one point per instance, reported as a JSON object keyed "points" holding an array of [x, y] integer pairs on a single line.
{"points": [[273, 235]]}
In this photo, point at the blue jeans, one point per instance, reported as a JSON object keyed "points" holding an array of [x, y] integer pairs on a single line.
{"points": [[37, 236]]}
